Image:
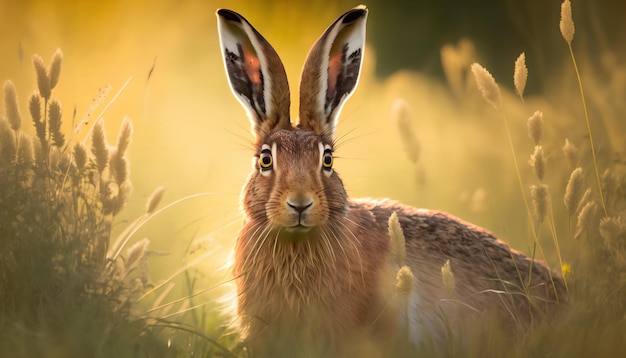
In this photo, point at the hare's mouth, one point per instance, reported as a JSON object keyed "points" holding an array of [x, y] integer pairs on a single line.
{"points": [[298, 229]]}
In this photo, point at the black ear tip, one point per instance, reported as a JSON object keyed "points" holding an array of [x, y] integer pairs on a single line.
{"points": [[354, 14], [229, 15]]}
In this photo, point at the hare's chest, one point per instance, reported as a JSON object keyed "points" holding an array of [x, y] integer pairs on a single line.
{"points": [[318, 292]]}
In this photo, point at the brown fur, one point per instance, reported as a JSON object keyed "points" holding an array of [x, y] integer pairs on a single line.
{"points": [[314, 268], [323, 281], [326, 284]]}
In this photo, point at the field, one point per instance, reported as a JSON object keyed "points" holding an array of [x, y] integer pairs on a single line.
{"points": [[123, 151]]}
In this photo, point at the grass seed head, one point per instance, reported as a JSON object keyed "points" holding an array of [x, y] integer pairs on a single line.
{"points": [[537, 162], [43, 81], [119, 167], [7, 141], [585, 217], [571, 153], [405, 280], [574, 191], [610, 183], [34, 106], [99, 146], [584, 200], [11, 107], [80, 156], [55, 68], [25, 147], [404, 120], [567, 23], [398, 250], [54, 118], [487, 85], [447, 276], [612, 231], [135, 254], [155, 199], [520, 74], [124, 136], [535, 127], [540, 194]]}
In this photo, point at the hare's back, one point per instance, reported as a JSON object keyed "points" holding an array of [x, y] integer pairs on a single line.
{"points": [[483, 266]]}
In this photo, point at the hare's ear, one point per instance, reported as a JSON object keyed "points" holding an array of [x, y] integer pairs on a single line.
{"points": [[331, 72], [255, 73]]}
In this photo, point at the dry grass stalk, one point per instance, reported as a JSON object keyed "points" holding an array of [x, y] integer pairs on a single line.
{"points": [[583, 201], [43, 81], [99, 146], [7, 141], [398, 250], [95, 103], [80, 156], [612, 230], [34, 106], [571, 153], [25, 148], [537, 162], [487, 85], [520, 74], [585, 218], [115, 196], [567, 30], [566, 25], [55, 68], [540, 194], [124, 136], [54, 120], [574, 191], [404, 281], [535, 127], [454, 61], [610, 186], [118, 163], [155, 199], [55, 234], [119, 167], [11, 108], [135, 254], [404, 120], [447, 276]]}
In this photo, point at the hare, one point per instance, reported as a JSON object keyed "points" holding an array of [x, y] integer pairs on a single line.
{"points": [[312, 265]]}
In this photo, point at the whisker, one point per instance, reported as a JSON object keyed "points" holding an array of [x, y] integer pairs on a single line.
{"points": [[243, 141], [250, 238], [345, 254], [352, 239], [326, 242], [275, 245], [266, 234], [341, 141], [257, 245]]}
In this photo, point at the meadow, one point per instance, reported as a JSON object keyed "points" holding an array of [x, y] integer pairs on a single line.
{"points": [[122, 154]]}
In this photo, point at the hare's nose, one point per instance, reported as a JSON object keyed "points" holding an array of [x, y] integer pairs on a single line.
{"points": [[300, 205]]}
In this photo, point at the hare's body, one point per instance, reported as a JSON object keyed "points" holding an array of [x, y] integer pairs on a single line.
{"points": [[313, 266]]}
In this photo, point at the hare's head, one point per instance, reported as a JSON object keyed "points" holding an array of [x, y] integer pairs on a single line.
{"points": [[293, 186]]}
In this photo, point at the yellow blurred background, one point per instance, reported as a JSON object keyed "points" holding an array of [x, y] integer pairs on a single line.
{"points": [[192, 136]]}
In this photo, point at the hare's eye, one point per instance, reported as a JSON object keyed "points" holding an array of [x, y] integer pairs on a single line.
{"points": [[327, 160], [265, 160]]}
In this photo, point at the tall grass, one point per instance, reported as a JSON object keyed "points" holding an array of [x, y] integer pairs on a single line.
{"points": [[67, 289], [594, 321], [61, 294]]}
